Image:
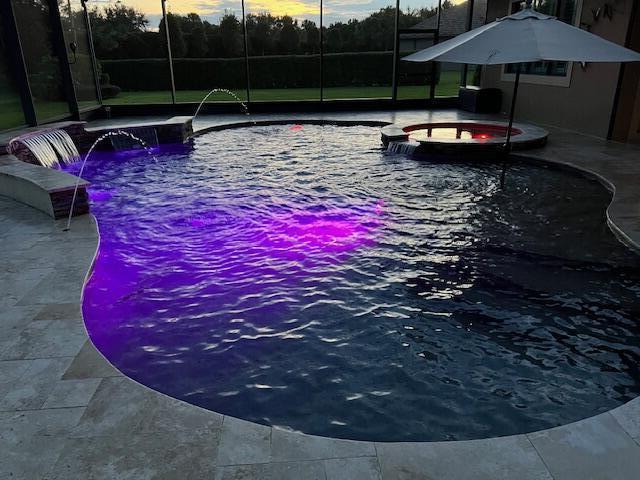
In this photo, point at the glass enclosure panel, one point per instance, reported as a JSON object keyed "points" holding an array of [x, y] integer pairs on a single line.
{"points": [[474, 72], [76, 36], [454, 20], [474, 75], [417, 31], [34, 22], [358, 46], [130, 47], [284, 50], [10, 106], [207, 47]]}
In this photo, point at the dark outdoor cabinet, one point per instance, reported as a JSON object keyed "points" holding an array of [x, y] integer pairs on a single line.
{"points": [[480, 100]]}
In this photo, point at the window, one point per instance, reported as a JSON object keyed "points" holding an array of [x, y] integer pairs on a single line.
{"points": [[547, 73]]}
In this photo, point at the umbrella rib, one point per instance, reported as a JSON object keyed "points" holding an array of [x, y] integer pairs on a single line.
{"points": [[535, 39]]}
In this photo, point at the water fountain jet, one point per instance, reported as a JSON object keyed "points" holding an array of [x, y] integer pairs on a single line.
{"points": [[245, 109], [109, 134]]}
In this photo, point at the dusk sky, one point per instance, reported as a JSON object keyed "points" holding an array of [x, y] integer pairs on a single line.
{"points": [[334, 10]]}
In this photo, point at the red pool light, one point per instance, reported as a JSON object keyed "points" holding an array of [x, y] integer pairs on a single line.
{"points": [[295, 128], [482, 136]]}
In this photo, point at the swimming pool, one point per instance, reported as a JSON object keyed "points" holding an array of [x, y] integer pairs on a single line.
{"points": [[300, 276]]}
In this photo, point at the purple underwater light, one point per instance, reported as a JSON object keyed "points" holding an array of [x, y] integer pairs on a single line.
{"points": [[337, 230]]}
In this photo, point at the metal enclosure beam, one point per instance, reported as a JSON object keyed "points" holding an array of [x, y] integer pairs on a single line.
{"points": [[169, 57], [465, 68], [246, 53], [435, 67], [60, 48], [396, 53], [92, 51], [321, 50]]}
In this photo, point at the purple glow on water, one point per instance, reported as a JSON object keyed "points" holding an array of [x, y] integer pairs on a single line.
{"points": [[332, 231], [307, 229], [136, 152]]}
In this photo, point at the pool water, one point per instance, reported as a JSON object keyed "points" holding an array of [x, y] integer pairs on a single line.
{"points": [[305, 278]]}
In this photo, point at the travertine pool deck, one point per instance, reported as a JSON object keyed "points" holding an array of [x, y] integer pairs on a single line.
{"points": [[66, 413]]}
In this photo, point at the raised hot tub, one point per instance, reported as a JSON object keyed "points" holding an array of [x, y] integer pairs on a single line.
{"points": [[460, 137]]}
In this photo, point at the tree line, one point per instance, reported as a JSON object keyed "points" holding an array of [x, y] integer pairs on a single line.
{"points": [[121, 32]]}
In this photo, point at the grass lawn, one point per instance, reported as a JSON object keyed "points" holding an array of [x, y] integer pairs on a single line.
{"points": [[11, 108], [11, 115], [448, 87]]}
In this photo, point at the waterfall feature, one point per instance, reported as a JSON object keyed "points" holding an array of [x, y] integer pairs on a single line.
{"points": [[50, 147], [133, 140], [406, 148]]}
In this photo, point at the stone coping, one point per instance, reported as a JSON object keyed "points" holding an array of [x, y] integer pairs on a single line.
{"points": [[66, 413], [48, 179], [299, 121], [46, 189], [103, 125]]}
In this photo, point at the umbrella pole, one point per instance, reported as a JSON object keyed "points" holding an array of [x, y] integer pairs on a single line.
{"points": [[507, 145]]}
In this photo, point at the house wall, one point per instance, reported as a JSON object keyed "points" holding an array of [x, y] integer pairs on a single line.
{"points": [[633, 132], [586, 104], [626, 126]]}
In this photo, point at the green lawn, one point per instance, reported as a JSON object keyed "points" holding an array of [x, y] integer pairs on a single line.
{"points": [[448, 87], [187, 96], [10, 114], [11, 108]]}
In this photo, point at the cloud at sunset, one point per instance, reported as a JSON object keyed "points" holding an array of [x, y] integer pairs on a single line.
{"points": [[334, 10]]}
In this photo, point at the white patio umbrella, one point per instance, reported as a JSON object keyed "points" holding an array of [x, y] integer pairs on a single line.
{"points": [[525, 36]]}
